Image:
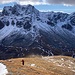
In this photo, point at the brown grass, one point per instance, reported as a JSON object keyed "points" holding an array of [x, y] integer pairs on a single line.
{"points": [[43, 66]]}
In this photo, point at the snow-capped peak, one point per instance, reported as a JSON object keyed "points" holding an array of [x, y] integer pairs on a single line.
{"points": [[25, 26], [19, 10]]}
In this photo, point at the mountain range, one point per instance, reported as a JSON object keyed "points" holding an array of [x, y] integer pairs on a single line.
{"points": [[24, 30]]}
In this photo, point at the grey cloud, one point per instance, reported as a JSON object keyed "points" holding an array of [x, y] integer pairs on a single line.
{"points": [[19, 0], [68, 2], [30, 0], [4, 0]]}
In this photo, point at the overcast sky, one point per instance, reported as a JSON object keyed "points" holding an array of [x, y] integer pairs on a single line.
{"points": [[55, 5], [68, 2]]}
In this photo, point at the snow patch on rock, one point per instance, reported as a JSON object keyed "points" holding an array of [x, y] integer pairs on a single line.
{"points": [[32, 65]]}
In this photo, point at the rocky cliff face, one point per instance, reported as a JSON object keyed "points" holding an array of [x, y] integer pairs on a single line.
{"points": [[44, 33]]}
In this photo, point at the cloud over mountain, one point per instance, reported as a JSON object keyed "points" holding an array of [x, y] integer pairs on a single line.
{"points": [[68, 2], [36, 2]]}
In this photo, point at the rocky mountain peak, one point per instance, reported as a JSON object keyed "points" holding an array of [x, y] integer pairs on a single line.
{"points": [[49, 33], [19, 10]]}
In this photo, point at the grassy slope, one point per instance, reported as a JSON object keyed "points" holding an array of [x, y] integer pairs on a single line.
{"points": [[54, 65]]}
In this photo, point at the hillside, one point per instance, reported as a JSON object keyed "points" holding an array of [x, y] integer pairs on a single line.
{"points": [[54, 65]]}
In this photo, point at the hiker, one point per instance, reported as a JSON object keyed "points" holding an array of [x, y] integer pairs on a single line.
{"points": [[73, 56], [22, 62]]}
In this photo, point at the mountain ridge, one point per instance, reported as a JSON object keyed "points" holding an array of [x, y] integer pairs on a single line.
{"points": [[45, 33]]}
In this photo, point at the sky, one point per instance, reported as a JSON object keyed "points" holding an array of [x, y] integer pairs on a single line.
{"points": [[44, 5]]}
